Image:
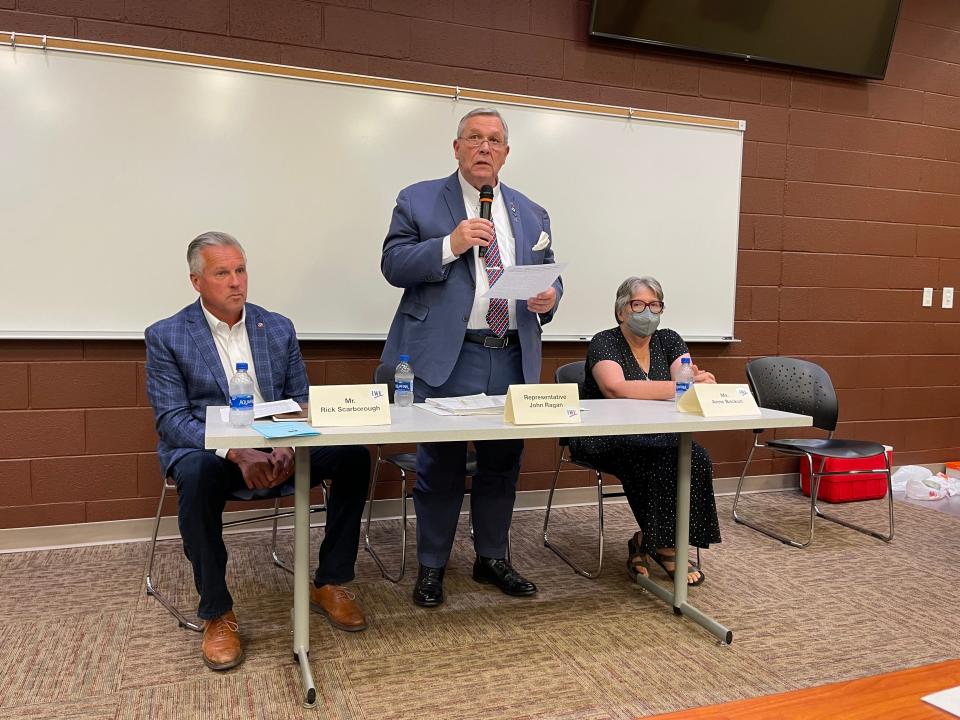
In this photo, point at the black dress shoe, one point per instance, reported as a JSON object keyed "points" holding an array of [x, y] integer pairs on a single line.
{"points": [[502, 574], [428, 592]]}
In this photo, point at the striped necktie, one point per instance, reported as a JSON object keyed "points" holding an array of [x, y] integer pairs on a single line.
{"points": [[498, 315]]}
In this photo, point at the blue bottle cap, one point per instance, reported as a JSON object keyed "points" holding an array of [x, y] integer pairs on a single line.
{"points": [[405, 358], [242, 367]]}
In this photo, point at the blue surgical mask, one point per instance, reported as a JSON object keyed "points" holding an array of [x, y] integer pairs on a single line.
{"points": [[643, 324]]}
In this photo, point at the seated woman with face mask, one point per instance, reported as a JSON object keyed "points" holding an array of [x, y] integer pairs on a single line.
{"points": [[638, 360]]}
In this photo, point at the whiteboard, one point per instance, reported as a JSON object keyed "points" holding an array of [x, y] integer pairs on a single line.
{"points": [[113, 164]]}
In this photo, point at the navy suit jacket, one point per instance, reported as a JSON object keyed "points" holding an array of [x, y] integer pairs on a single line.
{"points": [[432, 318], [185, 375]]}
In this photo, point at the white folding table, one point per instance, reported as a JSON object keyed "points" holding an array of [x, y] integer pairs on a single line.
{"points": [[416, 425]]}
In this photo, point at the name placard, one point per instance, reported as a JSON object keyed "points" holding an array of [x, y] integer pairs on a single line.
{"points": [[542, 404], [349, 405], [718, 400]]}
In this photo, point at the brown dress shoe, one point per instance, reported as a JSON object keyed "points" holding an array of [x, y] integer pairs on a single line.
{"points": [[337, 603], [221, 642]]}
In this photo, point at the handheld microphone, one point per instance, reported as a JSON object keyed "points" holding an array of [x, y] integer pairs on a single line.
{"points": [[486, 207]]}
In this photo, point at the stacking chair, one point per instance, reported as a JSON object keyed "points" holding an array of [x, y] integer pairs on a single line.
{"points": [[275, 494], [798, 386], [574, 373]]}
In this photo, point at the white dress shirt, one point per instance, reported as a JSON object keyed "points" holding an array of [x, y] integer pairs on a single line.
{"points": [[233, 346], [506, 243]]}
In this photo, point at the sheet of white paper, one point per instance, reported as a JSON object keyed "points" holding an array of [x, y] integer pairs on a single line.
{"points": [[521, 282], [260, 410], [479, 401], [433, 408], [948, 700], [276, 407], [480, 404]]}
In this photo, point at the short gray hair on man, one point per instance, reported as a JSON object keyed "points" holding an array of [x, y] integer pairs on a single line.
{"points": [[484, 111], [212, 238], [629, 287]]}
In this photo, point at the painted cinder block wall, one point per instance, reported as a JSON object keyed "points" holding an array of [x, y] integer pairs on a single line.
{"points": [[849, 206]]}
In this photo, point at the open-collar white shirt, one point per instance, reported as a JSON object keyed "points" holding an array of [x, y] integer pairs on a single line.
{"points": [[233, 346]]}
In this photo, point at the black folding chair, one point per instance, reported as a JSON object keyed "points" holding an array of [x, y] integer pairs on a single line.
{"points": [[574, 373], [799, 386]]}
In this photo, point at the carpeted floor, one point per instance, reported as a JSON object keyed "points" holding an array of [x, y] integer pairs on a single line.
{"points": [[79, 638]]}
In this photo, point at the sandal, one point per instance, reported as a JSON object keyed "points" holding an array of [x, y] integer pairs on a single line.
{"points": [[636, 558], [692, 567]]}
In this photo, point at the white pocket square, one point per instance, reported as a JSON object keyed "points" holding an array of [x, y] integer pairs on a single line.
{"points": [[542, 242]]}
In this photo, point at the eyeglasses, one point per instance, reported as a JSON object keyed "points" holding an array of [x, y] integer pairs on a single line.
{"points": [[638, 306], [474, 141]]}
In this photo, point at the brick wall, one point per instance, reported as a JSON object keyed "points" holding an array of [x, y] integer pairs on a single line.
{"points": [[849, 206]]}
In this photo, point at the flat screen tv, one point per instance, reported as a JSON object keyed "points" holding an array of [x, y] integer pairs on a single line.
{"points": [[851, 37]]}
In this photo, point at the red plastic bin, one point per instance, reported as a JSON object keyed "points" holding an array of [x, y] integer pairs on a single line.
{"points": [[840, 488]]}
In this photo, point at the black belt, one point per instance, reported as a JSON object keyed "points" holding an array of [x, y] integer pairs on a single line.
{"points": [[492, 341]]}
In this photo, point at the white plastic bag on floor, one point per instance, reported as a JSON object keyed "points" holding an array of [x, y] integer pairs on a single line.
{"points": [[931, 488], [952, 484], [901, 476]]}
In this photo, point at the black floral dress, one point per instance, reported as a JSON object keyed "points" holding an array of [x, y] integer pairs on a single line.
{"points": [[646, 465]]}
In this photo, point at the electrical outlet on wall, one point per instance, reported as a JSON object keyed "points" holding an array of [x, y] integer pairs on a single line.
{"points": [[947, 298], [928, 297]]}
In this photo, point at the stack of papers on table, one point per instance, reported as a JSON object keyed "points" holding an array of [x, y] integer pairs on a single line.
{"points": [[467, 405], [263, 409]]}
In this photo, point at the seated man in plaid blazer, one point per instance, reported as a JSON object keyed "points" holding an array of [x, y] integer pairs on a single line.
{"points": [[190, 357]]}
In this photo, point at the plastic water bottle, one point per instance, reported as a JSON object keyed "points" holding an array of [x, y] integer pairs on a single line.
{"points": [[241, 397], [684, 379], [403, 383]]}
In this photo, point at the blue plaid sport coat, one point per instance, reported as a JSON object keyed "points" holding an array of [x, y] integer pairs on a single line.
{"points": [[184, 373]]}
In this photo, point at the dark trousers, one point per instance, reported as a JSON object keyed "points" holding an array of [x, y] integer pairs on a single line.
{"points": [[204, 484], [441, 467]]}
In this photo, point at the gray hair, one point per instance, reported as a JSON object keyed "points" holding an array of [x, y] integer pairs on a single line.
{"points": [[485, 111], [209, 239], [629, 287]]}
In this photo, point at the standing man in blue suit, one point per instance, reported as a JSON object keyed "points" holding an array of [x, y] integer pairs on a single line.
{"points": [[460, 343], [190, 357]]}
